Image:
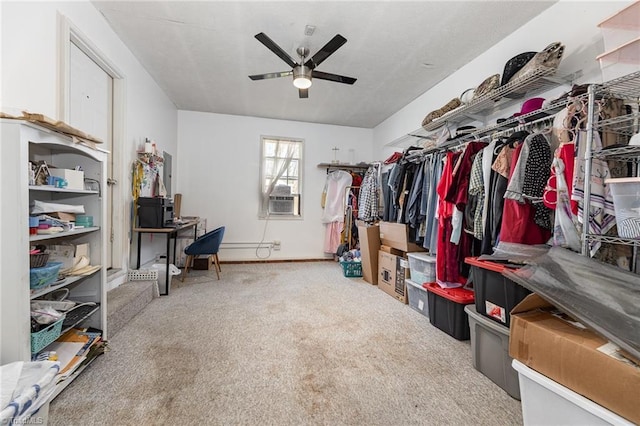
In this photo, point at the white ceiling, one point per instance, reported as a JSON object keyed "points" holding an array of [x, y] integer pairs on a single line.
{"points": [[201, 53]]}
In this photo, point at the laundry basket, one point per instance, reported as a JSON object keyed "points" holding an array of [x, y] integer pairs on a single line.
{"points": [[351, 269], [163, 286]]}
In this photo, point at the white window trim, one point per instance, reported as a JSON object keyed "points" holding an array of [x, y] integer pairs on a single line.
{"points": [[264, 215]]}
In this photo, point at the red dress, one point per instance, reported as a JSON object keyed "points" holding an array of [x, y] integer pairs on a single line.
{"points": [[447, 274]]}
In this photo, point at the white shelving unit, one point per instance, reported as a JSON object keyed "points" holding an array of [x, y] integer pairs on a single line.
{"points": [[23, 142]]}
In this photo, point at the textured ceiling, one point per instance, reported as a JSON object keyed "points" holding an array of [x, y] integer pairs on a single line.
{"points": [[201, 53]]}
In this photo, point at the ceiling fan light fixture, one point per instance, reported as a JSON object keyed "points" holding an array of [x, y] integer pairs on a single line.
{"points": [[302, 77]]}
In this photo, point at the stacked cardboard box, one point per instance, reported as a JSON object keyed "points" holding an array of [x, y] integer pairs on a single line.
{"points": [[574, 356], [393, 263]]}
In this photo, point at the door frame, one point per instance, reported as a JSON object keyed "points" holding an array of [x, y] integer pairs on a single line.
{"points": [[68, 33]]}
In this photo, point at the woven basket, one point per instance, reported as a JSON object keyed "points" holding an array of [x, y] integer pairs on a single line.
{"points": [[38, 260]]}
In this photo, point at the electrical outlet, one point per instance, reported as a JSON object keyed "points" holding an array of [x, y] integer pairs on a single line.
{"points": [[276, 244]]}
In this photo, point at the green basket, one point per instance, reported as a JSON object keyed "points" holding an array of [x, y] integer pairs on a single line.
{"points": [[351, 269], [44, 337]]}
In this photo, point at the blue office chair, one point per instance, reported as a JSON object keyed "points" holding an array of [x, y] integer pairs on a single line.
{"points": [[206, 245]]}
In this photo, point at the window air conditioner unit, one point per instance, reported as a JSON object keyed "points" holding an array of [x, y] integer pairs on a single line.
{"points": [[281, 204]]}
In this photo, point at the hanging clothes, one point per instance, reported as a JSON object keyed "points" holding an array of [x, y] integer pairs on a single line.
{"points": [[518, 219], [447, 253], [429, 205], [499, 158], [476, 193], [413, 215], [601, 214], [369, 196], [333, 213]]}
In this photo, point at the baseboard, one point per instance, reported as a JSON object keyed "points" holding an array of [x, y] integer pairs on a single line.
{"points": [[276, 261]]}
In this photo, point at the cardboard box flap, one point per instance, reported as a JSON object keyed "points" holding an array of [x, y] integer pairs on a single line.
{"points": [[530, 303]]}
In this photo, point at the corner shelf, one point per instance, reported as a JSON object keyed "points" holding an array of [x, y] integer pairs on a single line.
{"points": [[343, 166]]}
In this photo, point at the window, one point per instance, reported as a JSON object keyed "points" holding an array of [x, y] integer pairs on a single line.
{"points": [[281, 177]]}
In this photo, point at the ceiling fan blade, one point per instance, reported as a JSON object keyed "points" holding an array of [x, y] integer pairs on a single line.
{"points": [[326, 51], [303, 93], [333, 77], [271, 45], [270, 75]]}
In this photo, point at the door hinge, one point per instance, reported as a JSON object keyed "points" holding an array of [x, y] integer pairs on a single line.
{"points": [[111, 181]]}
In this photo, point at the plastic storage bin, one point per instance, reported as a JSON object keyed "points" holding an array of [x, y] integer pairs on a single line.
{"points": [[490, 351], [163, 286], [626, 202], [42, 277], [622, 27], [351, 269], [422, 267], [495, 294], [620, 61], [546, 402], [418, 298], [446, 309]]}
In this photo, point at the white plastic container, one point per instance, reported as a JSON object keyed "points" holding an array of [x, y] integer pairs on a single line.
{"points": [[422, 267], [621, 61], [626, 202], [418, 297], [621, 28], [546, 402], [162, 276]]}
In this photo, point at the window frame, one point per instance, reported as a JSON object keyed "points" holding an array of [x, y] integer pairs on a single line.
{"points": [[298, 211]]}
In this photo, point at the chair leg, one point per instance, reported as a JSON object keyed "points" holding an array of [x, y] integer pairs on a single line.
{"points": [[218, 270], [187, 263]]}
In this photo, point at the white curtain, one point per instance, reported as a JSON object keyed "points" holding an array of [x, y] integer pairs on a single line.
{"points": [[276, 169]]}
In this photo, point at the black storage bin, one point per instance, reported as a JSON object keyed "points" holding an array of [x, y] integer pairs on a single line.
{"points": [[496, 295], [446, 309]]}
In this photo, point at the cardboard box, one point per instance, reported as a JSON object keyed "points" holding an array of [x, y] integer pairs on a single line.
{"points": [[74, 178], [67, 217], [569, 354], [392, 272], [396, 235], [202, 263], [369, 237], [392, 250]]}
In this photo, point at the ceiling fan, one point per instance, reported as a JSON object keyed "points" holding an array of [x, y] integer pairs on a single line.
{"points": [[304, 70]]}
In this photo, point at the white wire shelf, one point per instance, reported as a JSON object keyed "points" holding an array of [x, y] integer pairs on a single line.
{"points": [[540, 79], [613, 240], [623, 153], [494, 99], [625, 87]]}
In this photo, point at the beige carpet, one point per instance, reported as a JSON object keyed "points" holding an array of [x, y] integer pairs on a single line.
{"points": [[282, 344]]}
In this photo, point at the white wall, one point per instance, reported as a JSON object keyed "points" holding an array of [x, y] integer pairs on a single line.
{"points": [[219, 166], [573, 23], [30, 76]]}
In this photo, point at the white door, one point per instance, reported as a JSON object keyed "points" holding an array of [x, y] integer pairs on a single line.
{"points": [[91, 110]]}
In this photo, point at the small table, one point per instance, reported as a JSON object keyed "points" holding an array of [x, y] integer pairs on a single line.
{"points": [[170, 233]]}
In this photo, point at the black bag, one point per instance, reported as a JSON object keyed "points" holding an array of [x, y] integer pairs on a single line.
{"points": [[514, 65]]}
